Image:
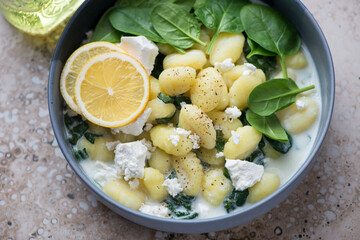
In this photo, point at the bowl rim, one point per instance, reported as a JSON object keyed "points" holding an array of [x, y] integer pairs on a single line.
{"points": [[195, 225]]}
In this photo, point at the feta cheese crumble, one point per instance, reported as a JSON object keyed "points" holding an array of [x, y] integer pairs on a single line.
{"points": [[300, 104], [149, 146], [130, 159], [155, 209], [134, 184], [244, 174], [232, 112], [195, 139], [235, 137], [183, 104], [172, 186], [148, 127], [225, 65], [144, 50], [219, 154], [182, 132], [134, 128], [250, 69], [174, 139]]}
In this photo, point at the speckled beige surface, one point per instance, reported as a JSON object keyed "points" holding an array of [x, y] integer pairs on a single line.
{"points": [[41, 198]]}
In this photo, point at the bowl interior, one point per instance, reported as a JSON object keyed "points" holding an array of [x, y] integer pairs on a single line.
{"points": [[85, 19]]}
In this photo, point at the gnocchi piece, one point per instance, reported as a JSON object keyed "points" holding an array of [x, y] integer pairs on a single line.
{"points": [[225, 99], [227, 45], [161, 161], [165, 49], [177, 80], [160, 110], [152, 181], [161, 136], [215, 186], [266, 186], [241, 89], [221, 119], [189, 172], [209, 156], [194, 119], [192, 58], [97, 151], [120, 191], [245, 142], [206, 91], [232, 75], [154, 88], [291, 74], [296, 61], [205, 37], [300, 115]]}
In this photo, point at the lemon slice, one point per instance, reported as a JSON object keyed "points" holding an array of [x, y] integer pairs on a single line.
{"points": [[112, 89], [73, 67]]}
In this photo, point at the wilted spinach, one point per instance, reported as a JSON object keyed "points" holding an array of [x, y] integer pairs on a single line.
{"points": [[181, 207], [220, 16], [274, 95], [235, 199], [270, 30], [80, 154], [282, 147], [220, 141], [176, 100], [270, 126], [177, 26]]}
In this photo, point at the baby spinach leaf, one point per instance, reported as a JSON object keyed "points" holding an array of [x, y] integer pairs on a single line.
{"points": [[282, 147], [104, 31], [174, 24], [80, 154], [199, 4], [256, 49], [140, 3], [221, 16], [158, 66], [136, 21], [270, 126], [270, 30], [235, 199], [274, 95], [186, 4], [257, 156]]}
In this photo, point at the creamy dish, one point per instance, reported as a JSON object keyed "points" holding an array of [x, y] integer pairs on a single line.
{"points": [[211, 139]]}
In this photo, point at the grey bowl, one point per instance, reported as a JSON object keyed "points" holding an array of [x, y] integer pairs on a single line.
{"points": [[85, 19]]}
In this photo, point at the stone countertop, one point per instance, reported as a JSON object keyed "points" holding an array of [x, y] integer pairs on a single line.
{"points": [[41, 198]]}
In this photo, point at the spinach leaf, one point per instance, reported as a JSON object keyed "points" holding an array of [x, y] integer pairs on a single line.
{"points": [[266, 63], [172, 174], [270, 30], [257, 156], [104, 31], [256, 49], [91, 136], [177, 205], [270, 126], [179, 99], [235, 199], [165, 98], [220, 141], [186, 4], [136, 21], [221, 16], [174, 24], [226, 173], [158, 66], [76, 126], [165, 120], [282, 147], [274, 95], [176, 100], [140, 3], [199, 4], [80, 154]]}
